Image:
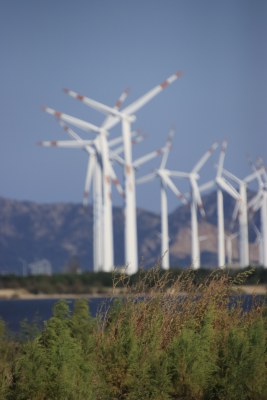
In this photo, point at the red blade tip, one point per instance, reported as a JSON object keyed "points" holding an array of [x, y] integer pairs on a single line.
{"points": [[178, 74]]}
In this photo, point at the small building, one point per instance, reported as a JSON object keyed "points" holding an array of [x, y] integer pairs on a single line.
{"points": [[40, 267]]}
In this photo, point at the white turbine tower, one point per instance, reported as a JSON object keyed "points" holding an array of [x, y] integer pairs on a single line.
{"points": [[242, 210], [220, 210], [126, 116], [222, 186], [165, 182], [259, 243], [196, 202], [259, 202], [229, 246]]}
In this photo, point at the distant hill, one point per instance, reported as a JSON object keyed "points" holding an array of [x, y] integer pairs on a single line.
{"points": [[63, 232]]}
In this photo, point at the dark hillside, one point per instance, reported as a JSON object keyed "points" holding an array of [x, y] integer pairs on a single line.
{"points": [[62, 232]]}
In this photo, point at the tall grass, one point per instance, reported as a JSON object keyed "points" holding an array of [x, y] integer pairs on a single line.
{"points": [[167, 338], [173, 338]]}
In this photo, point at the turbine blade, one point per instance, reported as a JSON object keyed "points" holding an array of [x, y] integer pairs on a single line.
{"points": [[206, 186], [139, 103], [115, 141], [132, 108], [205, 157], [146, 178], [178, 174], [168, 149], [228, 188], [115, 157], [221, 158], [88, 179], [232, 176], [96, 105], [121, 99], [255, 168], [70, 132], [118, 150], [50, 143], [66, 144], [140, 161], [168, 182], [255, 175], [116, 182], [197, 197], [79, 123], [236, 210], [255, 202], [136, 138], [117, 106]]}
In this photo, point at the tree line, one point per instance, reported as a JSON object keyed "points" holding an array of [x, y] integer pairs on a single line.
{"points": [[91, 282]]}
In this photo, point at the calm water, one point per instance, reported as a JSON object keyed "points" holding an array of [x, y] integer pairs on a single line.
{"points": [[14, 311]]}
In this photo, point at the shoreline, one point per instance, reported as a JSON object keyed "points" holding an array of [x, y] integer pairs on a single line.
{"points": [[22, 294]]}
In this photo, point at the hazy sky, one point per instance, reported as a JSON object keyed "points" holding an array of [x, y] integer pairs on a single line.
{"points": [[100, 47]]}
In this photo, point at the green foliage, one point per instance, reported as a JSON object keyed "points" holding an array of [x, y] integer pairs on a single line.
{"points": [[53, 366], [242, 362], [170, 337], [193, 359], [7, 349]]}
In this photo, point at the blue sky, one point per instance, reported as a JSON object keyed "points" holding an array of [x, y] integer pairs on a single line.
{"points": [[99, 48]]}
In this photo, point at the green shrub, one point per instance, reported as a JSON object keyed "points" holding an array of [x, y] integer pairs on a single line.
{"points": [[169, 337]]}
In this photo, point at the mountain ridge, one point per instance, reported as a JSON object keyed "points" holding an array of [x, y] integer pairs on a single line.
{"points": [[61, 232]]}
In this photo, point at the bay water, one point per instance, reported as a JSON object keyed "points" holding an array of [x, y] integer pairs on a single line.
{"points": [[16, 310]]}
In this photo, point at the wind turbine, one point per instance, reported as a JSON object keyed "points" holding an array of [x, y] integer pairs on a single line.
{"points": [[259, 202], [103, 257], [94, 174], [95, 154], [222, 186], [242, 210], [165, 182], [126, 116], [259, 243], [196, 202]]}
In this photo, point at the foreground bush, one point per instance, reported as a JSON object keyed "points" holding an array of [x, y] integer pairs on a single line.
{"points": [[168, 338]]}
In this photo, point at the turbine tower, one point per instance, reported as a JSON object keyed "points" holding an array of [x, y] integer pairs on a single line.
{"points": [[165, 182], [259, 242], [162, 151], [196, 202], [242, 210], [229, 246], [259, 202], [222, 186]]}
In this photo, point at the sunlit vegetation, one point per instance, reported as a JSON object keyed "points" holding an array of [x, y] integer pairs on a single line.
{"points": [[149, 344]]}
